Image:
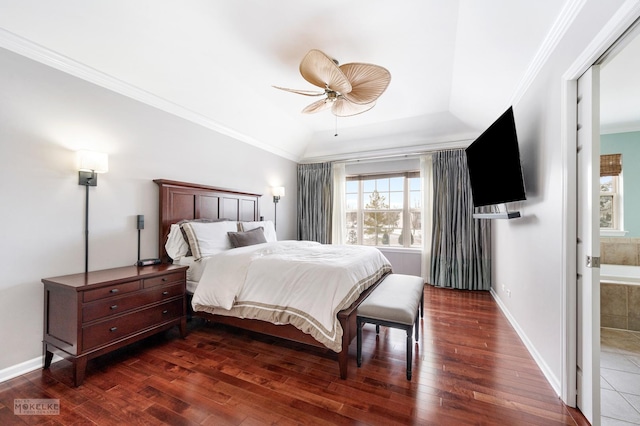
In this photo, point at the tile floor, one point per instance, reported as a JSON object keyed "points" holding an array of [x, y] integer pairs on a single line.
{"points": [[620, 377]]}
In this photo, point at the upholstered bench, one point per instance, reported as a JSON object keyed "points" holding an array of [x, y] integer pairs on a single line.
{"points": [[394, 303]]}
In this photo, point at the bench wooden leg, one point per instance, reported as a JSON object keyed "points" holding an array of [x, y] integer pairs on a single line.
{"points": [[409, 352], [359, 325]]}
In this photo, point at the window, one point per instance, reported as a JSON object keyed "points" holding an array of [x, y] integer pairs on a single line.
{"points": [[611, 192], [384, 210], [610, 215]]}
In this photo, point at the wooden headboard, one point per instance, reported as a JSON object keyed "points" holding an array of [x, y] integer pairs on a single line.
{"points": [[182, 200]]}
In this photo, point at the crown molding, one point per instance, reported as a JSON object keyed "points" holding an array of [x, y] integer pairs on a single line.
{"points": [[43, 55], [619, 128], [626, 15], [560, 27]]}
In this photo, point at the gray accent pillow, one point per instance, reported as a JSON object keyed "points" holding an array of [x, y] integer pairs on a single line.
{"points": [[247, 238]]}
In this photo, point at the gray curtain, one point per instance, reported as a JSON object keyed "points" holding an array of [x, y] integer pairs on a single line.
{"points": [[461, 245], [315, 202]]}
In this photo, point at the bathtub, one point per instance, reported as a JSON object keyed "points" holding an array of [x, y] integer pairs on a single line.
{"points": [[620, 297], [620, 274]]}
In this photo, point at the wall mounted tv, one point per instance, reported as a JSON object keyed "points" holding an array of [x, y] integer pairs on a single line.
{"points": [[494, 165]]}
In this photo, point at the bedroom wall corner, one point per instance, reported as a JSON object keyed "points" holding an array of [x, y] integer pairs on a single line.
{"points": [[46, 115]]}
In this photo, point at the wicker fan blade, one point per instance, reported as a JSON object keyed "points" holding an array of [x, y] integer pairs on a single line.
{"points": [[320, 70], [343, 108], [368, 82], [301, 92], [317, 106]]}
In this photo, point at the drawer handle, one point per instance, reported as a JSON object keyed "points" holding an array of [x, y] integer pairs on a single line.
{"points": [[114, 307], [114, 290], [164, 293], [164, 278], [113, 328], [164, 312]]}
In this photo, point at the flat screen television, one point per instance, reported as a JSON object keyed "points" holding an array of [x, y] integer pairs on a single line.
{"points": [[493, 159]]}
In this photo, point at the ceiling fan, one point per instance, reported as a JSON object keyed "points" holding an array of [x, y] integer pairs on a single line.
{"points": [[349, 89]]}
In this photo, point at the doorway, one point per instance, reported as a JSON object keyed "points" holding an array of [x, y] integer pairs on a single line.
{"points": [[620, 132], [582, 313]]}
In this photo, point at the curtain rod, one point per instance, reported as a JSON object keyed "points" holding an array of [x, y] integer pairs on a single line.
{"points": [[382, 158], [373, 156], [409, 156]]}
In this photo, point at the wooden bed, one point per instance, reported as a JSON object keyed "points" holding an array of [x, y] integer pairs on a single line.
{"points": [[181, 200]]}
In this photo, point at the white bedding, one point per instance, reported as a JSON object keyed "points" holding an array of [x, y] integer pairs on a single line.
{"points": [[301, 283], [194, 273]]}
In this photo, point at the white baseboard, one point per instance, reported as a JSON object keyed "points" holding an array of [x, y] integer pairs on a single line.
{"points": [[548, 374], [24, 368]]}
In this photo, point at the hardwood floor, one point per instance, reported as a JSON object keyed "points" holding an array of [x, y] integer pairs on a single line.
{"points": [[470, 367]]}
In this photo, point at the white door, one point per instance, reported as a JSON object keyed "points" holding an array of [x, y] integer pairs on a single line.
{"points": [[588, 246]]}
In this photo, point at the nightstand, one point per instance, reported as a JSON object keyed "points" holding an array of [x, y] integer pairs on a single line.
{"points": [[90, 314]]}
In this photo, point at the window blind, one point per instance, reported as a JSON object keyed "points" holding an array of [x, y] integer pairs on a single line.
{"points": [[610, 164]]}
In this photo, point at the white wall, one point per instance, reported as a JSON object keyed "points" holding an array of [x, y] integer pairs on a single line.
{"points": [[404, 261], [45, 116], [528, 252]]}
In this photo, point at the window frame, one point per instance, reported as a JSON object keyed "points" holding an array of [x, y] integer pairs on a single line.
{"points": [[617, 207], [405, 212]]}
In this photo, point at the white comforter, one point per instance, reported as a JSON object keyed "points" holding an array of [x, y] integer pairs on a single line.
{"points": [[301, 283]]}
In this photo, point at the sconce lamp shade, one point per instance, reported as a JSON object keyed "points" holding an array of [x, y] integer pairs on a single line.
{"points": [[91, 161], [89, 164], [277, 191]]}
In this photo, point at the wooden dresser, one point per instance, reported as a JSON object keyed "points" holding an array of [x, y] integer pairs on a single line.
{"points": [[88, 315]]}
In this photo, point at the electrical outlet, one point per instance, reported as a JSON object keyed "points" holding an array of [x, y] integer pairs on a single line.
{"points": [[509, 293], [504, 288]]}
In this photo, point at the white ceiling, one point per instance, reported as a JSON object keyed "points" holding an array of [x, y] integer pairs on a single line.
{"points": [[455, 65]]}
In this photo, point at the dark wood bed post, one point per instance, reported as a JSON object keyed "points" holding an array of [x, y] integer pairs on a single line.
{"points": [[347, 318], [181, 200], [343, 355]]}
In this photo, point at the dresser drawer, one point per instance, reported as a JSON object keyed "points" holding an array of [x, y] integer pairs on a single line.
{"points": [[116, 305], [107, 331], [110, 291], [165, 279], [90, 314]]}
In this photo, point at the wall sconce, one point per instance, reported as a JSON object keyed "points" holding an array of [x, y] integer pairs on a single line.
{"points": [[278, 192], [89, 165]]}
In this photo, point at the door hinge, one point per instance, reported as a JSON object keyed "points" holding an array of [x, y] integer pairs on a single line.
{"points": [[593, 261]]}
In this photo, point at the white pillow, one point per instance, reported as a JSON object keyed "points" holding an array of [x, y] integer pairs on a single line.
{"points": [[176, 246], [207, 239], [267, 226]]}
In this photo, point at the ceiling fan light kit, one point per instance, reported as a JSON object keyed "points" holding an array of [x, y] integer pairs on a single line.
{"points": [[348, 89]]}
